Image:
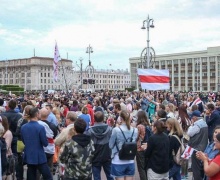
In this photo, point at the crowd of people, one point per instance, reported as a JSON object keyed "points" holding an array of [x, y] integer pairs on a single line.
{"points": [[81, 133]]}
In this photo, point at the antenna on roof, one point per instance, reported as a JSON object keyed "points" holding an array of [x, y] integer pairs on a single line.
{"points": [[67, 55], [34, 52]]}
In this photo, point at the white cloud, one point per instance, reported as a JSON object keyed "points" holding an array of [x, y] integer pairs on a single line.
{"points": [[113, 28]]}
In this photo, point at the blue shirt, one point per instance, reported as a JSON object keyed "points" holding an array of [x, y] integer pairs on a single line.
{"points": [[210, 152], [86, 118], [52, 118]]}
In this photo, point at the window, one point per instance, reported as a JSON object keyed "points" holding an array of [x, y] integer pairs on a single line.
{"points": [[22, 75], [45, 81], [45, 74], [48, 74]]}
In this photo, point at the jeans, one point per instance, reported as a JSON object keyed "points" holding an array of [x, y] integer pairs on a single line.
{"points": [[141, 164], [174, 172], [96, 171], [43, 168]]}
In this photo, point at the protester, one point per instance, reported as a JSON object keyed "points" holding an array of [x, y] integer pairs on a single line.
{"points": [[78, 153], [51, 118], [198, 133], [211, 167], [62, 137], [211, 150], [100, 134], [20, 145], [142, 124], [13, 118], [212, 119], [122, 169], [34, 138], [175, 134], [157, 153], [86, 117]]}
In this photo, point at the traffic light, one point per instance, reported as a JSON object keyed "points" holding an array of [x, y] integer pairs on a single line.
{"points": [[84, 81]]}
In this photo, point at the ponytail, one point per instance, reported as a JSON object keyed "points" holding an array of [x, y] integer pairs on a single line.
{"points": [[126, 117]]}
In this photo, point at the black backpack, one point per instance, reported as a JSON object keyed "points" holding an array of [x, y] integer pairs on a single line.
{"points": [[148, 134], [129, 149], [3, 146]]}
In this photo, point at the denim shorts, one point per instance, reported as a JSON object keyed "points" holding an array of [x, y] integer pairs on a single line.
{"points": [[122, 170]]}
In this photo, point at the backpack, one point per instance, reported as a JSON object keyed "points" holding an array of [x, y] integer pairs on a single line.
{"points": [[129, 149], [177, 157], [148, 133]]}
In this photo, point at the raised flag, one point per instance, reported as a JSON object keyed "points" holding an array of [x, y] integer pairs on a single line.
{"points": [[196, 102], [154, 79], [188, 152], [55, 63]]}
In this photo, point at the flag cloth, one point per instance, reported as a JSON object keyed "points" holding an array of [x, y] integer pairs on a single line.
{"points": [[154, 79], [196, 102], [188, 152], [55, 63]]}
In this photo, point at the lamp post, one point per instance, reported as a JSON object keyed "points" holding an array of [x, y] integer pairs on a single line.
{"points": [[149, 24], [89, 68]]}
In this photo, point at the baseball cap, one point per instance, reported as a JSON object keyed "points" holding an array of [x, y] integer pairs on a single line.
{"points": [[196, 113]]}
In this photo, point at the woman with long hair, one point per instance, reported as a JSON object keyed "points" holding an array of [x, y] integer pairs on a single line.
{"points": [[157, 153], [122, 169], [170, 110], [184, 117], [175, 133], [142, 124]]}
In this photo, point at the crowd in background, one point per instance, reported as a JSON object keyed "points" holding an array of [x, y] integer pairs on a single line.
{"points": [[82, 132]]}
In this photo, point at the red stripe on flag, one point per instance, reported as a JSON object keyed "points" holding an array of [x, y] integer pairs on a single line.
{"points": [[154, 79]]}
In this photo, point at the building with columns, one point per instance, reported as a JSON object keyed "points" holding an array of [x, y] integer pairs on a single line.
{"points": [[107, 79], [196, 70], [36, 73]]}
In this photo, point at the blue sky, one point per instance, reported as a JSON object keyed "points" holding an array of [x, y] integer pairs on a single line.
{"points": [[111, 27]]}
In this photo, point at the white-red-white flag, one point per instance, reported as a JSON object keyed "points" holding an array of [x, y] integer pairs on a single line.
{"points": [[196, 102], [55, 63], [188, 152], [154, 79]]}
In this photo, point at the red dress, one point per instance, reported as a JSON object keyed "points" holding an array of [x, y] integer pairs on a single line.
{"points": [[217, 161]]}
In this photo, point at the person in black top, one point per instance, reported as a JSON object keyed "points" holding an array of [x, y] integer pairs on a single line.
{"points": [[157, 153], [13, 118]]}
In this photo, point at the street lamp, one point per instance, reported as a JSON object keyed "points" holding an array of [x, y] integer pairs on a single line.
{"points": [[89, 68], [149, 24]]}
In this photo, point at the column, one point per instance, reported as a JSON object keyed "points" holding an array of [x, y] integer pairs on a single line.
{"points": [[208, 74], [216, 74]]}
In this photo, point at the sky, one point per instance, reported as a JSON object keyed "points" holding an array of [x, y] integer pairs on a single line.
{"points": [[111, 27]]}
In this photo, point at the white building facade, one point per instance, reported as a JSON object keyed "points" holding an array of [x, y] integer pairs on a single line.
{"points": [[107, 79], [196, 70], [36, 73]]}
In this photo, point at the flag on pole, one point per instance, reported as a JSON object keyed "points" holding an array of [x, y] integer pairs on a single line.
{"points": [[154, 79], [55, 63], [188, 152]]}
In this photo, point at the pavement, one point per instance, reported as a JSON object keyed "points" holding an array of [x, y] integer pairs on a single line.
{"points": [[103, 177]]}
